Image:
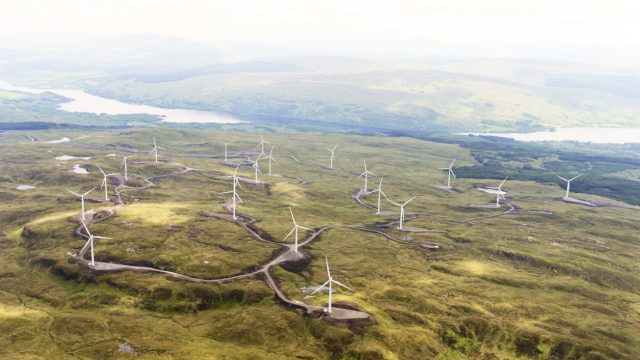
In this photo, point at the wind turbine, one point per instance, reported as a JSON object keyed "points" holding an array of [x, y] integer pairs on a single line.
{"points": [[236, 182], [401, 210], [333, 155], [261, 144], [566, 196], [104, 184], [366, 174], [81, 196], [271, 158], [295, 231], [500, 193], [450, 171], [380, 193], [256, 166], [124, 164], [225, 151], [330, 282], [155, 149], [91, 237]]}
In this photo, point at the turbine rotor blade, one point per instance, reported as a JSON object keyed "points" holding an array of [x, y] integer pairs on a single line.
{"points": [[408, 201], [321, 287], [86, 228], [341, 284], [575, 177], [289, 234], [292, 218], [562, 178], [74, 193], [391, 201], [326, 259]]}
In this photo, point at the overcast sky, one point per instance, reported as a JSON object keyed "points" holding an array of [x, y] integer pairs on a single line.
{"points": [[590, 31]]}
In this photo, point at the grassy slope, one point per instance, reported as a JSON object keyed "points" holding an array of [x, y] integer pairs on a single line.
{"points": [[526, 285]]}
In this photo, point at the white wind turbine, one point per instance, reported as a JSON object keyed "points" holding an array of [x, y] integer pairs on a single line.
{"points": [[236, 183], [81, 196], [124, 165], [401, 210], [256, 166], [330, 282], [104, 184], [500, 192], [566, 196], [155, 149], [271, 158], [380, 194], [261, 144], [366, 174], [450, 171], [91, 239], [295, 231], [333, 155]]}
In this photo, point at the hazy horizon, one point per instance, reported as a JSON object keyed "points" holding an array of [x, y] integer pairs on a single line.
{"points": [[592, 32]]}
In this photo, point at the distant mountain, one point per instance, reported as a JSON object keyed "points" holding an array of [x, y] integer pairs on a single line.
{"points": [[328, 92], [488, 95]]}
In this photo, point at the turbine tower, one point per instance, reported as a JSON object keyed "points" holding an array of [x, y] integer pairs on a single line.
{"points": [[366, 174], [124, 164], [91, 239], [261, 144], [401, 210], [380, 194], [330, 282], [104, 184], [271, 158], [450, 171], [155, 149], [566, 196], [236, 183], [333, 155], [81, 196], [295, 231]]}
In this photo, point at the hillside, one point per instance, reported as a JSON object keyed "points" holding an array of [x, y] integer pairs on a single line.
{"points": [[536, 278], [335, 93]]}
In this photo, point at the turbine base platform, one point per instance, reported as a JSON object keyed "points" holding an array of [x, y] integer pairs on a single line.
{"points": [[445, 188], [578, 201]]}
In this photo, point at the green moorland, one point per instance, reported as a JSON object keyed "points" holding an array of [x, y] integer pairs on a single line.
{"points": [[551, 280]]}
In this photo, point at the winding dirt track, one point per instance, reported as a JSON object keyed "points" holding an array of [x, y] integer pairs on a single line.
{"points": [[287, 253]]}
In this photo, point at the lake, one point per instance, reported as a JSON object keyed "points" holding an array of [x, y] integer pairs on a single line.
{"points": [[87, 103], [581, 134]]}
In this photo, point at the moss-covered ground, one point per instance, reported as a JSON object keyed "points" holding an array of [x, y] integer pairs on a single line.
{"points": [[552, 280]]}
